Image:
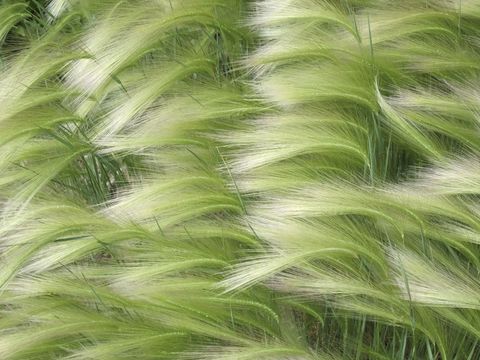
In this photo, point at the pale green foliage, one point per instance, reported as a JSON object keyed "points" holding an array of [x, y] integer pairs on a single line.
{"points": [[234, 179]]}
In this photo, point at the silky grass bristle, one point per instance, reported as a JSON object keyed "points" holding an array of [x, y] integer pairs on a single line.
{"points": [[240, 179]]}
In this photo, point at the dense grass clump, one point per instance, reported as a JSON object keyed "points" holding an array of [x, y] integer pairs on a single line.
{"points": [[234, 179]]}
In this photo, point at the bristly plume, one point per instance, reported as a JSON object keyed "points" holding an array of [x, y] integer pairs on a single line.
{"points": [[240, 179]]}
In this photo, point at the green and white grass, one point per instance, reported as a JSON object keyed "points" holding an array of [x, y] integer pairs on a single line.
{"points": [[240, 180]]}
